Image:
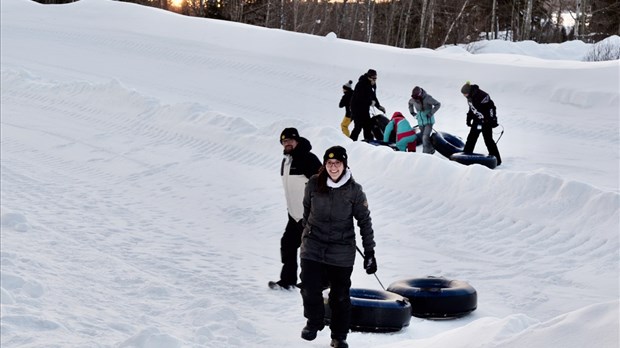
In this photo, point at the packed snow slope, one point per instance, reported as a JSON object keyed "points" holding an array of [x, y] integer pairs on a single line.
{"points": [[142, 206]]}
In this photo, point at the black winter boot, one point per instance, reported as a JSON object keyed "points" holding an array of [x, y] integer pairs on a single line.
{"points": [[309, 332], [339, 343]]}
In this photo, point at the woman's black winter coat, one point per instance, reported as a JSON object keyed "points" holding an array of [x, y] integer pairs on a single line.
{"points": [[329, 235]]}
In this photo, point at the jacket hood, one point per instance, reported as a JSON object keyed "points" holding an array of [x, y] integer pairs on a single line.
{"points": [[364, 80], [420, 91], [397, 114], [303, 146], [474, 89]]}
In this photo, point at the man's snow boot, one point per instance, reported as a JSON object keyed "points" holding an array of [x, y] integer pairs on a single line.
{"points": [[279, 285], [339, 343], [309, 332]]}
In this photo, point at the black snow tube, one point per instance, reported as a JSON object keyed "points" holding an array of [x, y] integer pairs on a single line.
{"points": [[376, 311], [437, 297], [474, 158], [379, 122], [446, 143]]}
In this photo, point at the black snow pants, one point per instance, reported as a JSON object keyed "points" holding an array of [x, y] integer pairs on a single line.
{"points": [[487, 135], [313, 276], [362, 121], [289, 244]]}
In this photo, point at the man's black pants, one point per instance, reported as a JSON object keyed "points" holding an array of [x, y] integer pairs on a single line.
{"points": [[289, 244]]}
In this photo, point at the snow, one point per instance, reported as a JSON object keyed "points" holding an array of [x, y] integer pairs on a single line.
{"points": [[569, 50], [142, 206]]}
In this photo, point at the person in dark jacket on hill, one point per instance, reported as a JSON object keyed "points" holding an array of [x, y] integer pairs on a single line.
{"points": [[332, 201], [364, 96], [481, 118], [298, 165], [345, 102]]}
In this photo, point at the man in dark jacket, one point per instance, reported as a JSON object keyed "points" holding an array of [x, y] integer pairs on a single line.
{"points": [[364, 96], [298, 165], [481, 118]]}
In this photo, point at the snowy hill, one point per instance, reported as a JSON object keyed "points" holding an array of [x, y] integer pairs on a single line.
{"points": [[142, 206]]}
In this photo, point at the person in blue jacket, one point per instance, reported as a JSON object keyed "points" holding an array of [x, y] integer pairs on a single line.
{"points": [[423, 106], [405, 136]]}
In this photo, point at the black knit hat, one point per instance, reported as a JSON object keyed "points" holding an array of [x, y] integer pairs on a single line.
{"points": [[336, 152], [289, 133], [466, 88], [371, 73]]}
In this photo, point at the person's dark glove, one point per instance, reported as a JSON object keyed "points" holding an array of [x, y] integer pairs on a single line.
{"points": [[381, 108], [469, 122], [370, 263]]}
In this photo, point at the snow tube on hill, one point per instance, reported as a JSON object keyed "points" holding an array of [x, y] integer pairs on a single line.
{"points": [[446, 143], [437, 297], [474, 158], [376, 311], [378, 125]]}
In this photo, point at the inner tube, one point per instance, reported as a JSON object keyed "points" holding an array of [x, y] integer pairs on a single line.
{"points": [[437, 297], [446, 143], [379, 122], [375, 310], [474, 158]]}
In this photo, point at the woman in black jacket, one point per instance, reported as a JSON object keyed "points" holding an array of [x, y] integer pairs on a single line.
{"points": [[332, 200]]}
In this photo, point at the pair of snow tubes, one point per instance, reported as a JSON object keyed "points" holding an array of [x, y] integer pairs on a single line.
{"points": [[437, 297], [391, 310], [451, 147], [376, 311]]}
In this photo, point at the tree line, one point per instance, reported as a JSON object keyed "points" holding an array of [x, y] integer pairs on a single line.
{"points": [[415, 23]]}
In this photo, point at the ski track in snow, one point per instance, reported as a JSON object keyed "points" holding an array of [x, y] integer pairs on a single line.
{"points": [[86, 233]]}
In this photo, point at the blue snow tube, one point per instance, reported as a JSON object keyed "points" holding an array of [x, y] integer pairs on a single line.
{"points": [[376, 310], [437, 297], [474, 158], [446, 143]]}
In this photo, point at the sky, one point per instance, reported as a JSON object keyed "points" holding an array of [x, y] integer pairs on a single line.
{"points": [[142, 205]]}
